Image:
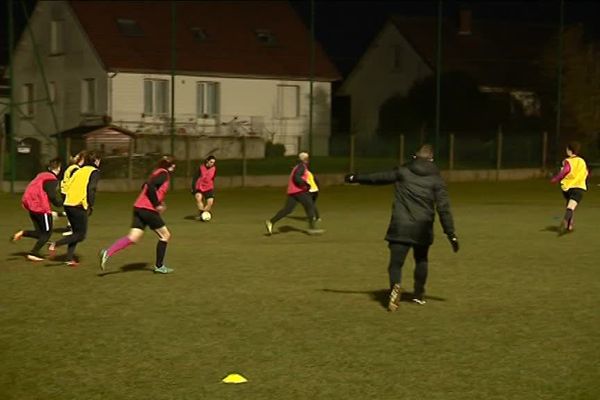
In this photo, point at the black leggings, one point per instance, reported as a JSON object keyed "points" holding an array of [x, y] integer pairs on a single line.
{"points": [[78, 218], [398, 253], [42, 223], [303, 198]]}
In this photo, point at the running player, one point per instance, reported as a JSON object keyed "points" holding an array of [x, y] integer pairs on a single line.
{"points": [[146, 212], [298, 192], [203, 185], [79, 204], [572, 178], [76, 163], [40, 192]]}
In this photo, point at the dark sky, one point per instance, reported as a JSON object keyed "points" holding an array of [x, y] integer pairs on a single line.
{"points": [[345, 28]]}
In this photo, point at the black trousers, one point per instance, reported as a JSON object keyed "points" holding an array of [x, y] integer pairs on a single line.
{"points": [[398, 253], [78, 218], [315, 196], [42, 225], [303, 198]]}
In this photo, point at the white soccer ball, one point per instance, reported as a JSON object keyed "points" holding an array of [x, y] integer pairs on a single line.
{"points": [[205, 216]]}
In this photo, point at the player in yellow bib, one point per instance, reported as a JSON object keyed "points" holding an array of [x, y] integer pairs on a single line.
{"points": [[572, 178]]}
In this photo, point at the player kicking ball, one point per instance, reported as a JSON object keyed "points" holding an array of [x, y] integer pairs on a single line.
{"points": [[147, 211], [203, 186]]}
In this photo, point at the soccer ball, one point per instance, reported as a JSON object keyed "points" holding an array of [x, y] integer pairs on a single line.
{"points": [[205, 216]]}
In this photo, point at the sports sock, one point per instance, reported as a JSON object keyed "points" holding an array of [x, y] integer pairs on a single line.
{"points": [[161, 249], [119, 245], [568, 216]]}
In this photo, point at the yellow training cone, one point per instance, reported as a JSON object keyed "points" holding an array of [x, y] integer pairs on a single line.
{"points": [[234, 378]]}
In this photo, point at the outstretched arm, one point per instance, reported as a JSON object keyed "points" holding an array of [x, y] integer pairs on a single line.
{"points": [[376, 178]]}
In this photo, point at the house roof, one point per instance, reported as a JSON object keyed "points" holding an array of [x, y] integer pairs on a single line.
{"points": [[212, 38], [496, 53]]}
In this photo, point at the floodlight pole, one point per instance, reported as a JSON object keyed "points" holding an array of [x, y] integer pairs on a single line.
{"points": [[559, 72], [438, 77], [11, 106], [312, 76], [173, 60]]}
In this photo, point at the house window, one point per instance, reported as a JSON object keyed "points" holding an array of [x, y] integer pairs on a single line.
{"points": [[156, 97], [207, 99], [199, 34], [397, 63], [288, 101], [27, 93], [52, 92], [265, 36], [88, 96], [129, 27], [56, 37]]}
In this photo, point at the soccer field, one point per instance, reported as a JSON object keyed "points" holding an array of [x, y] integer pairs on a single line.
{"points": [[514, 315]]}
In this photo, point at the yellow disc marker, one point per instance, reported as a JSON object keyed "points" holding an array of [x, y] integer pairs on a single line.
{"points": [[234, 378]]}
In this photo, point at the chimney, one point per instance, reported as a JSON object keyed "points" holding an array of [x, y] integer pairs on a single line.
{"points": [[464, 21]]}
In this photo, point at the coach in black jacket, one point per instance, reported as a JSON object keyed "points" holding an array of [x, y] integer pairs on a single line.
{"points": [[419, 191]]}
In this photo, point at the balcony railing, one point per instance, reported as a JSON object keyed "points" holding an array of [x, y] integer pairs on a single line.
{"points": [[190, 124]]}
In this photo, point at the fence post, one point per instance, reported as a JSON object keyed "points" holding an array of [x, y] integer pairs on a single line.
{"points": [[352, 140], [544, 151], [499, 153], [451, 153], [129, 164], [3, 136], [187, 156], [402, 149], [244, 163]]}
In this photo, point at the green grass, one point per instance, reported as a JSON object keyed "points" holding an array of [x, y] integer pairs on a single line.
{"points": [[513, 315]]}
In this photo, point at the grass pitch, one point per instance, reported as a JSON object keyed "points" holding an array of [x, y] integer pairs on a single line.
{"points": [[513, 315]]}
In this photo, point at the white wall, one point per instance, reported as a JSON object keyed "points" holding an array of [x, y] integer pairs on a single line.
{"points": [[242, 97], [77, 62], [374, 79], [121, 96]]}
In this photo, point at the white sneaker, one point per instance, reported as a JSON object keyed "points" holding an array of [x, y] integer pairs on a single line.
{"points": [[269, 226], [163, 270]]}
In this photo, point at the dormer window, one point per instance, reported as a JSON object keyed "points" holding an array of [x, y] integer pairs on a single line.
{"points": [[199, 34], [265, 37], [129, 27]]}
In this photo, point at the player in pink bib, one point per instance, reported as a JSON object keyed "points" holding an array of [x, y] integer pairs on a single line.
{"points": [[203, 185]]}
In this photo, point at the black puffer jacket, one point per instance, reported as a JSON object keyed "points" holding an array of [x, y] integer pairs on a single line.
{"points": [[419, 191]]}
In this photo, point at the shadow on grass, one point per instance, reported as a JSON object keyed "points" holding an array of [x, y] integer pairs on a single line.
{"points": [[190, 217], [551, 228], [382, 296], [141, 266], [287, 229], [297, 218], [558, 230], [16, 256]]}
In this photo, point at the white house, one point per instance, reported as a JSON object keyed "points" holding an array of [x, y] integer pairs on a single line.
{"points": [[404, 52], [227, 68]]}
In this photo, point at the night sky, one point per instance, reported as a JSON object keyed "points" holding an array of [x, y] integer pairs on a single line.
{"points": [[345, 28]]}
